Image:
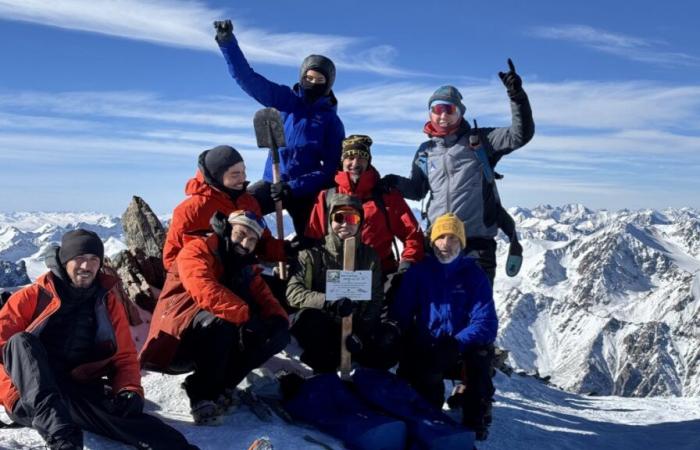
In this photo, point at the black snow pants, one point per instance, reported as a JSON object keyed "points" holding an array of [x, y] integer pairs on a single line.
{"points": [[55, 405], [213, 346], [299, 208], [318, 334], [484, 250]]}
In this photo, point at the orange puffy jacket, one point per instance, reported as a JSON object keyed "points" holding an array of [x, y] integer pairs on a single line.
{"points": [[30, 308], [378, 227], [193, 284], [193, 214]]}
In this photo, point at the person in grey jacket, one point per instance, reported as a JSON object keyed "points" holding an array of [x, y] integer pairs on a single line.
{"points": [[456, 176]]}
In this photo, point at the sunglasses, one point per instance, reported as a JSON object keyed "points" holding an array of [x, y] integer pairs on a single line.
{"points": [[351, 218], [447, 108]]}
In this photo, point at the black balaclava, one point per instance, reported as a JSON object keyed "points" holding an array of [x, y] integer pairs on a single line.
{"points": [[313, 92], [213, 163]]}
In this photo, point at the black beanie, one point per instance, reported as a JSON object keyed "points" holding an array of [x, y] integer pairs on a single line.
{"points": [[218, 159], [80, 242]]}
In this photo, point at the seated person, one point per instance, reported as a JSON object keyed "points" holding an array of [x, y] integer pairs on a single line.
{"points": [[317, 327], [216, 315], [68, 362], [448, 319]]}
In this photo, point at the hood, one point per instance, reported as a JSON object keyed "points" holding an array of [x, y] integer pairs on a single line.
{"points": [[321, 64], [204, 176]]}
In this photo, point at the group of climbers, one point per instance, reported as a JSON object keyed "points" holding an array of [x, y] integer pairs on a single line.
{"points": [[431, 308]]}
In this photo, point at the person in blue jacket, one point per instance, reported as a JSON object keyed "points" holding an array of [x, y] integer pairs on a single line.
{"points": [[448, 320], [312, 129]]}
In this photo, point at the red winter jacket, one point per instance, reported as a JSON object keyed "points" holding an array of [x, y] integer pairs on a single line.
{"points": [[193, 214], [30, 308], [375, 231], [193, 284]]}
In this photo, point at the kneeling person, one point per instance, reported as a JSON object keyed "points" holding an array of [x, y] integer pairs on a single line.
{"points": [[68, 361], [317, 326], [446, 312], [216, 315]]}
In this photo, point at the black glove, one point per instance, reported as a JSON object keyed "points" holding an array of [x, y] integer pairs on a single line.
{"points": [[511, 80], [280, 191], [353, 343], [343, 307], [445, 353], [274, 324], [252, 333], [127, 404], [388, 182], [224, 30]]}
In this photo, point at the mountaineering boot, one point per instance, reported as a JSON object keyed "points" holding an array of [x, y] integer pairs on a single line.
{"points": [[71, 440], [228, 401], [206, 413]]}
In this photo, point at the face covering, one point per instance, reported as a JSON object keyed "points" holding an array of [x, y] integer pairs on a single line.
{"points": [[312, 92]]}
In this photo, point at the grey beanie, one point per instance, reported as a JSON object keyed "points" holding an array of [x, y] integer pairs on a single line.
{"points": [[321, 64], [448, 94], [218, 159]]}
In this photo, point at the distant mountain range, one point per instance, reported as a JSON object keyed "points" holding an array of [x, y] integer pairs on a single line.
{"points": [[606, 303]]}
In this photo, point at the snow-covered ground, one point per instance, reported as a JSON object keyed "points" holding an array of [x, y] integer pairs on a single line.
{"points": [[527, 415]]}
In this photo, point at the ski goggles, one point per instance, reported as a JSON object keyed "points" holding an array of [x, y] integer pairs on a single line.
{"points": [[447, 108], [349, 217]]}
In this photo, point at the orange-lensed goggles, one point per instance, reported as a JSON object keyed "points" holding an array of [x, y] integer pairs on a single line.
{"points": [[349, 217], [447, 108]]}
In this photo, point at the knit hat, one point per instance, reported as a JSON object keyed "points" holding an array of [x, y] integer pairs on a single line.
{"points": [[249, 219], [448, 223], [321, 64], [447, 94], [357, 145], [217, 160], [80, 242]]}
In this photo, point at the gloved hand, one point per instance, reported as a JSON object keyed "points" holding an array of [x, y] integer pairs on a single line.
{"points": [[445, 352], [404, 265], [280, 191], [511, 80], [353, 343], [388, 182], [343, 307], [224, 30], [127, 404], [252, 333]]}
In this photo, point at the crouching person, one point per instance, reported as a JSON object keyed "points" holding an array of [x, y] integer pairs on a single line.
{"points": [[445, 309], [59, 337], [317, 327], [216, 316]]}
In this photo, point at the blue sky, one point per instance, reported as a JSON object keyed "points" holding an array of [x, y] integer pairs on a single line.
{"points": [[101, 100]]}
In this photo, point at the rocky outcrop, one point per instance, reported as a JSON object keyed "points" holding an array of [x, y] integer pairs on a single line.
{"points": [[13, 274]]}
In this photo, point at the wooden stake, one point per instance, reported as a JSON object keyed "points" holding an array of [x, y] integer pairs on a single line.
{"points": [[348, 265]]}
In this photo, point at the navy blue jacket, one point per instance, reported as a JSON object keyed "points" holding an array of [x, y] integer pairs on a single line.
{"points": [[314, 132], [447, 300]]}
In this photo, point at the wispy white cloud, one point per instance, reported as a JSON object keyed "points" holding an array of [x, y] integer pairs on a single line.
{"points": [[630, 47], [188, 24]]}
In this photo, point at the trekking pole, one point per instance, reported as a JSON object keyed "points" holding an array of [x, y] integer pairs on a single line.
{"points": [[269, 132], [348, 265]]}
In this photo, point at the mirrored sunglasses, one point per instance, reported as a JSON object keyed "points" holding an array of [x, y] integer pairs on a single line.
{"points": [[447, 108], [351, 218]]}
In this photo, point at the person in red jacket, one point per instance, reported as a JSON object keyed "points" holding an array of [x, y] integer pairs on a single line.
{"points": [[216, 315], [58, 338], [386, 214], [219, 185]]}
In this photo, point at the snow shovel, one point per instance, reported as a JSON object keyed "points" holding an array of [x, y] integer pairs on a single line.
{"points": [[269, 133], [348, 265]]}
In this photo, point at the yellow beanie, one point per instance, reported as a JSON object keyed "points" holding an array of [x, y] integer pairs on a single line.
{"points": [[448, 223]]}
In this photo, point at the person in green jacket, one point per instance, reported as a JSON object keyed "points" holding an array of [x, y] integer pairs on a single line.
{"points": [[317, 326]]}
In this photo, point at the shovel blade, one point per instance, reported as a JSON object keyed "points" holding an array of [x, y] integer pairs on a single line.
{"points": [[269, 130]]}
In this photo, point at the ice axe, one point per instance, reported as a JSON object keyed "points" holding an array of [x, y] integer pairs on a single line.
{"points": [[269, 133]]}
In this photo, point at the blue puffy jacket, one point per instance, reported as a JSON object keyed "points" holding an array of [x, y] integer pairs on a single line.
{"points": [[452, 299], [314, 132]]}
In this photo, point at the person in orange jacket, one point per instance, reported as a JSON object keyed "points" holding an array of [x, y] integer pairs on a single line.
{"points": [[216, 316], [58, 338], [219, 185], [386, 214]]}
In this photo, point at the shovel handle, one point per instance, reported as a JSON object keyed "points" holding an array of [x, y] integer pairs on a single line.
{"points": [[278, 209]]}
